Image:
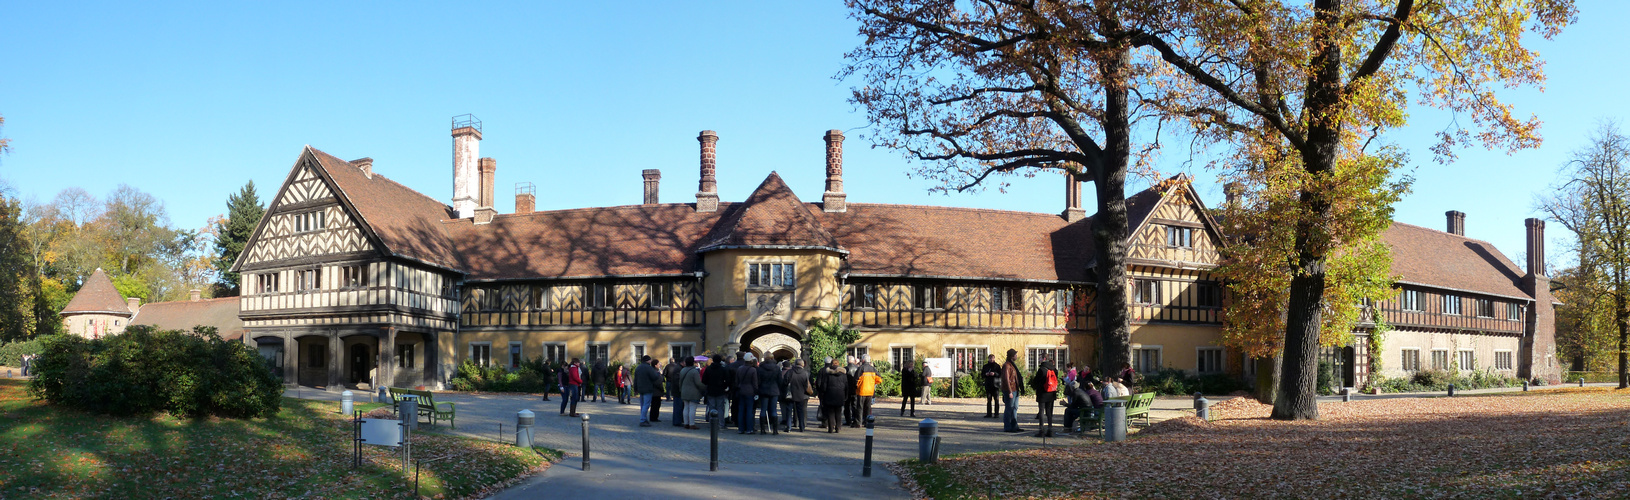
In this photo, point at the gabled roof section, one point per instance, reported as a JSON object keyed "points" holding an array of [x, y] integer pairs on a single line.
{"points": [[634, 240], [1142, 205], [220, 313], [771, 217], [1435, 258], [405, 221], [98, 296]]}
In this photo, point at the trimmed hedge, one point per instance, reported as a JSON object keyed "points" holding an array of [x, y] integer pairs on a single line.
{"points": [[145, 370]]}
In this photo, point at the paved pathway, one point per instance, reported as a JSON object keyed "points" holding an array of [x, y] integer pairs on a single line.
{"points": [[629, 461]]}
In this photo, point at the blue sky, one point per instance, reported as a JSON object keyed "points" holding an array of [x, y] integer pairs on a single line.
{"points": [[190, 101]]}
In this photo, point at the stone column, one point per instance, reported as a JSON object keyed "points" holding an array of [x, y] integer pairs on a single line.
{"points": [[387, 357], [336, 359], [291, 360]]}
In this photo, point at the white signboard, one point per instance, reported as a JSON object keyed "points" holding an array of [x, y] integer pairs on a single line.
{"points": [[382, 431], [940, 367]]}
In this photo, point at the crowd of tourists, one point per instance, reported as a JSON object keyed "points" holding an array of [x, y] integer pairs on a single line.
{"points": [[767, 396]]}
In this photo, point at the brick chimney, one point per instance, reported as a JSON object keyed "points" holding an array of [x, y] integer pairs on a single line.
{"points": [[366, 165], [196, 295], [1457, 222], [834, 200], [1233, 192], [133, 304], [466, 178], [1536, 247], [525, 199], [483, 210], [652, 177], [707, 193], [1072, 198]]}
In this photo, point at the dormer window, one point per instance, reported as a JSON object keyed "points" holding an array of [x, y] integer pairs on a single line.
{"points": [[771, 276], [1180, 237]]}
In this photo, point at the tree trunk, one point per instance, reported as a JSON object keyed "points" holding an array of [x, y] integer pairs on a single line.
{"points": [[1622, 317], [1110, 230], [1267, 379]]}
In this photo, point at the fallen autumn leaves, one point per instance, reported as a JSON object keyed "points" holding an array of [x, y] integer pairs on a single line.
{"points": [[1572, 443]]}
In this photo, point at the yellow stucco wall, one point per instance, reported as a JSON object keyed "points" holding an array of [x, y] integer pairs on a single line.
{"points": [[619, 342], [1178, 343], [733, 309]]}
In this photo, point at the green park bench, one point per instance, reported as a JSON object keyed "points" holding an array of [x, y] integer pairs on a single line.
{"points": [[428, 407], [1137, 405]]}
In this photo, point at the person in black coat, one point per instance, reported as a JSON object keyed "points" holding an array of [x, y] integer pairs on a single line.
{"points": [[851, 403], [991, 373], [717, 378], [910, 387], [746, 392], [733, 363], [1045, 383], [831, 385], [548, 377], [795, 389], [1079, 397], [601, 374], [769, 393]]}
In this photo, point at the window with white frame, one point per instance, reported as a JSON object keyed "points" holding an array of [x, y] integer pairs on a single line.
{"points": [[636, 350], [1411, 360], [555, 352], [481, 353], [353, 276], [900, 357], [1513, 311], [1146, 291], [771, 275], [1065, 298], [540, 298], [1502, 360], [309, 221], [1033, 356], [681, 350], [923, 297], [1411, 300], [1210, 360], [1466, 359], [514, 355], [1146, 359], [267, 282], [662, 295], [967, 359], [1181, 237], [308, 280], [1451, 304], [1440, 359], [597, 351], [857, 351]]}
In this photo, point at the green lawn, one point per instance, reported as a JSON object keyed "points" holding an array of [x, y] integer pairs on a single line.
{"points": [[305, 451], [1568, 443]]}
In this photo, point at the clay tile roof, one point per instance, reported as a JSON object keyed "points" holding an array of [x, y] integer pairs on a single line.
{"points": [[771, 217], [588, 242], [1142, 204], [1436, 258], [912, 240], [97, 296], [407, 222], [220, 313]]}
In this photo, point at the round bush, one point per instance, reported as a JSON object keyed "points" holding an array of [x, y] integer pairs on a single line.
{"points": [[145, 370]]}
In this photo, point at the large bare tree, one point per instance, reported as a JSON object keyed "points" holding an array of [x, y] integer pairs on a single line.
{"points": [[1594, 203]]}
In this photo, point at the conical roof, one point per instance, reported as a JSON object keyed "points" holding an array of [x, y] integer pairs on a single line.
{"points": [[97, 296], [771, 217]]}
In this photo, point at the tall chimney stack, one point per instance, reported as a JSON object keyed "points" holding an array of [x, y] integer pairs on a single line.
{"points": [[1457, 222], [483, 210], [1536, 247], [707, 193], [652, 178], [834, 200], [526, 200], [466, 179], [366, 165], [1232, 193], [1072, 198], [133, 304]]}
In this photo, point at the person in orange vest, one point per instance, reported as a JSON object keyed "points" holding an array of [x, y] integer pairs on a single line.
{"points": [[866, 385], [1045, 382]]}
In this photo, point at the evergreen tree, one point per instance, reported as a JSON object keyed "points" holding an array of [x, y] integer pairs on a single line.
{"points": [[243, 214]]}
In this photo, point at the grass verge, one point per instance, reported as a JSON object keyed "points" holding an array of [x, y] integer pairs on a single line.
{"points": [[304, 451]]}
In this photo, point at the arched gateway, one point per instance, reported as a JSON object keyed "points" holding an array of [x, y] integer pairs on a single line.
{"points": [[774, 341]]}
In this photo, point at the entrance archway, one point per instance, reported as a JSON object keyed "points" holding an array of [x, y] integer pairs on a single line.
{"points": [[773, 341], [361, 363]]}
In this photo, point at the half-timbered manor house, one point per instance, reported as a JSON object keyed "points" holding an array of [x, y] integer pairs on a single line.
{"points": [[352, 278]]}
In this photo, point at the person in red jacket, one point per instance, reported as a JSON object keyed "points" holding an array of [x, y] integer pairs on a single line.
{"points": [[572, 386], [621, 381]]}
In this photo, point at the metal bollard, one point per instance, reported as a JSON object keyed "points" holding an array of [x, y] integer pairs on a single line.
{"points": [[585, 443], [1581, 381], [410, 412], [523, 428], [1346, 394], [1524, 385], [867, 470], [346, 403], [1202, 407], [1114, 420], [927, 431], [1451, 390], [384, 396], [713, 445]]}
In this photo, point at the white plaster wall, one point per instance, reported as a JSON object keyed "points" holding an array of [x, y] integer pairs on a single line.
{"points": [[1483, 347]]}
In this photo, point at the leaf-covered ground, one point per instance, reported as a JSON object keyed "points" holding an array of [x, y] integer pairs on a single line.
{"points": [[1571, 443], [304, 452]]}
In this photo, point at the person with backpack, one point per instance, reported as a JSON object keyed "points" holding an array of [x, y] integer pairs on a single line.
{"points": [[1045, 382]]}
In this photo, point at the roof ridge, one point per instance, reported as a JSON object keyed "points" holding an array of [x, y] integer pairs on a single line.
{"points": [[942, 207], [1445, 233], [376, 175]]}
